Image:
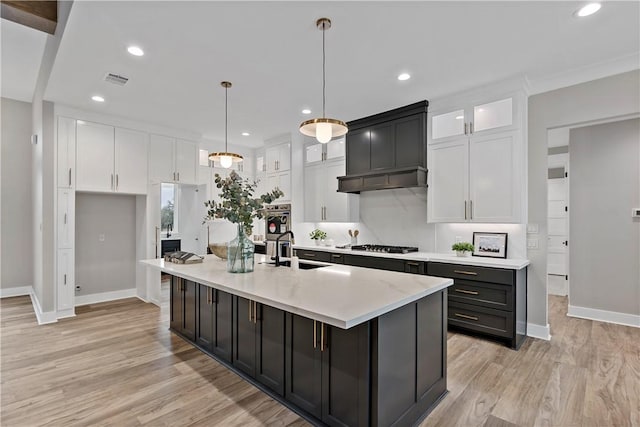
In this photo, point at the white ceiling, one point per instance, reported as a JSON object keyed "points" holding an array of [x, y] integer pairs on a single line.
{"points": [[271, 51], [22, 49]]}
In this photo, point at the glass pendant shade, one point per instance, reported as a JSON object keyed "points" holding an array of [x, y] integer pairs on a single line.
{"points": [[225, 158]]}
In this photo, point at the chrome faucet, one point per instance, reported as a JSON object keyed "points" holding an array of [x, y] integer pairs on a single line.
{"points": [[278, 245]]}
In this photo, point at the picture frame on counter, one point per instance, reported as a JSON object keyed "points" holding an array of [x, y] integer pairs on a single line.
{"points": [[492, 245]]}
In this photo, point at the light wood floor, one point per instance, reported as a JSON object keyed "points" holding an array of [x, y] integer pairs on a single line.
{"points": [[117, 364]]}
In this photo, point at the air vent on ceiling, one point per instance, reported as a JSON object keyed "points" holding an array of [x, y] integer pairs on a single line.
{"points": [[116, 79]]}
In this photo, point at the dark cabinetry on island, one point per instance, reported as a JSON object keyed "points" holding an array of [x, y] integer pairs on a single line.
{"points": [[183, 307]]}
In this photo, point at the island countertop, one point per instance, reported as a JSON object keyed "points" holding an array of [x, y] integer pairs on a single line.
{"points": [[339, 295]]}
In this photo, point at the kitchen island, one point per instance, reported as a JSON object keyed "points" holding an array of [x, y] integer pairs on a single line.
{"points": [[340, 345]]}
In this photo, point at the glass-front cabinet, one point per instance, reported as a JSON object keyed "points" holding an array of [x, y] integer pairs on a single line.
{"points": [[474, 118]]}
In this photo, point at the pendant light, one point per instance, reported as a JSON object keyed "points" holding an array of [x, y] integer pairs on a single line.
{"points": [[225, 158], [323, 129]]}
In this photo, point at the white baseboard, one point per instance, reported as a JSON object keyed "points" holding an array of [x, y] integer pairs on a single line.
{"points": [[538, 331], [17, 291], [43, 317], [106, 296], [71, 312], [604, 316]]}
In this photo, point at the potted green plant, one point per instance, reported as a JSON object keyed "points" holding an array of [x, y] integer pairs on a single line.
{"points": [[462, 248], [239, 206], [318, 235]]}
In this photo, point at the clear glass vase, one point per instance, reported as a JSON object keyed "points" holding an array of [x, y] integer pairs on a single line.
{"points": [[240, 253]]}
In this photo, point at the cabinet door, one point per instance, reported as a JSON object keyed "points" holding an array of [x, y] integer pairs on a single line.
{"points": [[95, 158], [272, 156], [222, 325], [189, 324], [244, 340], [204, 324], [284, 154], [270, 348], [449, 180], [448, 124], [65, 283], [66, 223], [409, 140], [131, 161], [283, 182], [493, 179], [382, 146], [314, 192], [186, 162], [161, 159], [66, 152], [335, 149], [261, 162], [313, 153], [303, 364], [338, 206], [358, 151], [176, 315], [493, 115]]}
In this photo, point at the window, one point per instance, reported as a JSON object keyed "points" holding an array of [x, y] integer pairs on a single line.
{"points": [[168, 209]]}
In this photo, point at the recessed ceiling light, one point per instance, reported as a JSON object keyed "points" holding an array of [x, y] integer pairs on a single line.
{"points": [[404, 76], [306, 111], [135, 51], [245, 134], [588, 9], [97, 98]]}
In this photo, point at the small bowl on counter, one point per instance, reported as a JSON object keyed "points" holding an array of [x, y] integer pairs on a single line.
{"points": [[219, 249]]}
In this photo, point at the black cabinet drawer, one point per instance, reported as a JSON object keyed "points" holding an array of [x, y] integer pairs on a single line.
{"points": [[469, 272], [481, 319], [484, 294], [313, 255], [375, 262], [415, 267], [337, 258]]}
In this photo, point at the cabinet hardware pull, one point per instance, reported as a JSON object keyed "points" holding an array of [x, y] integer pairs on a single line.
{"points": [[112, 181], [464, 291], [315, 335], [336, 256], [465, 209], [214, 296], [465, 128], [308, 254], [174, 176], [157, 232], [65, 218], [250, 310], [464, 316], [471, 209], [117, 180], [255, 312], [322, 346], [69, 177], [65, 278], [178, 176], [468, 273], [470, 127], [415, 264]]}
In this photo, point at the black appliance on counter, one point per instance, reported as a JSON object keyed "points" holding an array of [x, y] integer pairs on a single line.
{"points": [[169, 245], [385, 249]]}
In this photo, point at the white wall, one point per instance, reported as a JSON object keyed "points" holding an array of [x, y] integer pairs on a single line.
{"points": [[613, 96], [110, 264], [605, 239], [16, 203]]}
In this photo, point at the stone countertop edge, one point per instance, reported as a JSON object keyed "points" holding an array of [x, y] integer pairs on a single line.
{"points": [[508, 263], [310, 293]]}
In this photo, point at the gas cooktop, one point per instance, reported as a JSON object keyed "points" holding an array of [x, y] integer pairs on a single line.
{"points": [[385, 249]]}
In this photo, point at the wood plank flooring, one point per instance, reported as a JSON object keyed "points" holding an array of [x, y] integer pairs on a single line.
{"points": [[116, 364]]}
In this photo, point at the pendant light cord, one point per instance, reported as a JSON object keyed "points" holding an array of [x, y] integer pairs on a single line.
{"points": [[323, 71], [226, 94]]}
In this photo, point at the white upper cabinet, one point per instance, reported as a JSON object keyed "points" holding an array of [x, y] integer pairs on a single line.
{"points": [[282, 180], [448, 124], [316, 152], [66, 152], [448, 181], [173, 160], [313, 153], [131, 161], [111, 159], [278, 157], [492, 115], [261, 162], [335, 149], [95, 157]]}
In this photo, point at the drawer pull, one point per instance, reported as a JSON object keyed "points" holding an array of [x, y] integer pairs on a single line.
{"points": [[415, 264], [464, 316], [464, 291], [336, 256], [468, 273], [308, 254]]}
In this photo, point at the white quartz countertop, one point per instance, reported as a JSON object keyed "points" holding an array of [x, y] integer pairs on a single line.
{"points": [[512, 264], [339, 295]]}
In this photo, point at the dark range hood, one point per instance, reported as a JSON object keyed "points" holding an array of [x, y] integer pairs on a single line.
{"points": [[387, 150]]}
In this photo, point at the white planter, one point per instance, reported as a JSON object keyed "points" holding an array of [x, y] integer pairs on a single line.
{"points": [[462, 253]]}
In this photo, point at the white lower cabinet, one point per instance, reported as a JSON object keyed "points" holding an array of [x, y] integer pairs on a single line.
{"points": [[475, 179], [65, 294], [322, 201], [65, 220]]}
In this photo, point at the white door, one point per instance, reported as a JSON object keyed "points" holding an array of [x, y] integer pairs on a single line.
{"points": [[66, 223], [131, 161], [558, 234], [95, 157], [192, 211], [65, 278], [492, 178], [314, 192], [161, 159], [186, 162], [448, 181], [66, 152], [336, 204]]}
